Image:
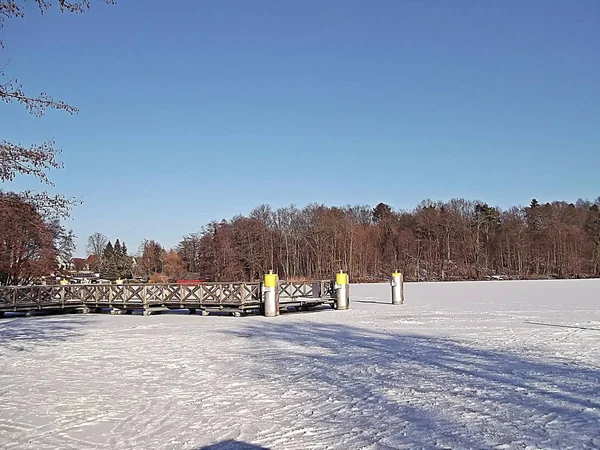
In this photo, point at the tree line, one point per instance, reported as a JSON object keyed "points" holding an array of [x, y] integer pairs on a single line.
{"points": [[454, 240], [436, 241]]}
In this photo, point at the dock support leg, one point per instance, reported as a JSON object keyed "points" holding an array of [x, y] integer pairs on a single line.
{"points": [[397, 288], [341, 287], [270, 294], [271, 307]]}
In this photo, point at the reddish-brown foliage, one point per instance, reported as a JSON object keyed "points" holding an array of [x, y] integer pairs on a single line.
{"points": [[27, 242], [173, 266], [455, 240]]}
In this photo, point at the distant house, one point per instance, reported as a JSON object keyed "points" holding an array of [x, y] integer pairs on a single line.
{"points": [[82, 271], [79, 264], [192, 278], [63, 265], [84, 265]]}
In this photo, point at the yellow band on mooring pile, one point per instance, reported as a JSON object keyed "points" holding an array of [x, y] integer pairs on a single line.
{"points": [[396, 274], [341, 278], [270, 279]]}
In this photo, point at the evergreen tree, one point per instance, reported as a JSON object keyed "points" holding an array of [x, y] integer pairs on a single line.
{"points": [[109, 251], [124, 262], [118, 258], [533, 215], [381, 212], [116, 263], [118, 251], [108, 267]]}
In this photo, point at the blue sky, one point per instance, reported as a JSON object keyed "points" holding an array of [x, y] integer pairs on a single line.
{"points": [[192, 111]]}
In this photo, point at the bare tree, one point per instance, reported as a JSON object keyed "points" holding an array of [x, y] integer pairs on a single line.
{"points": [[150, 260], [96, 244], [455, 240]]}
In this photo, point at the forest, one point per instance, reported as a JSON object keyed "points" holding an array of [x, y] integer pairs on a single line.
{"points": [[436, 241]]}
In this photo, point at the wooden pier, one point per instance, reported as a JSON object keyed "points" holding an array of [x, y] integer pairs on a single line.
{"points": [[236, 298]]}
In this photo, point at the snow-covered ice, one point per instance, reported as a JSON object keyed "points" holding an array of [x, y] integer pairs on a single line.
{"points": [[502, 365]]}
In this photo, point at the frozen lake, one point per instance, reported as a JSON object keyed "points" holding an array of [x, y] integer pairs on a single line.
{"points": [[504, 365]]}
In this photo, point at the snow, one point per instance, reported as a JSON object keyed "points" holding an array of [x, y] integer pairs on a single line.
{"points": [[502, 365]]}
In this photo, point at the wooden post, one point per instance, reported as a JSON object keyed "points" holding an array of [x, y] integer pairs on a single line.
{"points": [[341, 287], [397, 283], [316, 289], [97, 299], [145, 297], [62, 296]]}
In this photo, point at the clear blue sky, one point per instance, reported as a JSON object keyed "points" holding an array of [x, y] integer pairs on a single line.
{"points": [[192, 111]]}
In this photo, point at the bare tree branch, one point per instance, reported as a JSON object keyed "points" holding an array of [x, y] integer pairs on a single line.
{"points": [[35, 161], [15, 159], [11, 92]]}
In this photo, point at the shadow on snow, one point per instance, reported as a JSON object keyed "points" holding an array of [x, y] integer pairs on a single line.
{"points": [[406, 391], [26, 333], [232, 445]]}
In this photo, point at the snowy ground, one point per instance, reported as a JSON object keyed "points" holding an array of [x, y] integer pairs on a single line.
{"points": [[505, 365]]}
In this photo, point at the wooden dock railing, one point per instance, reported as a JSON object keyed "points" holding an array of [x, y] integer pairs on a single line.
{"points": [[237, 297]]}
